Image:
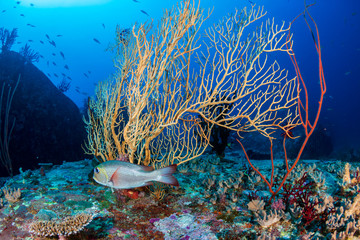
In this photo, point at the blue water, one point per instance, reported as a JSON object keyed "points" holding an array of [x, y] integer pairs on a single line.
{"points": [[73, 29]]}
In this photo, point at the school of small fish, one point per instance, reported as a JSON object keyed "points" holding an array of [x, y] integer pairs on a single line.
{"points": [[50, 39]]}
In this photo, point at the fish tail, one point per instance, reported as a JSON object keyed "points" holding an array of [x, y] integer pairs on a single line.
{"points": [[166, 175]]}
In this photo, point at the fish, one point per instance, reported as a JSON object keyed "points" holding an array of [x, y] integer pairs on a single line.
{"points": [[144, 12], [69, 78], [59, 35], [135, 1], [31, 5], [53, 54], [47, 36], [54, 63], [18, 2], [29, 24], [52, 43], [86, 75], [66, 67], [103, 25], [62, 54], [97, 41], [3, 11], [30, 40], [124, 175], [41, 42], [56, 75], [22, 15]]}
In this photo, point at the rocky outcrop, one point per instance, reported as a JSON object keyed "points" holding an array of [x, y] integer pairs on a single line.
{"points": [[48, 125]]}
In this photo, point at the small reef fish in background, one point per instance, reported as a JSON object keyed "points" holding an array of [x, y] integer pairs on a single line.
{"points": [[125, 175], [144, 12]]}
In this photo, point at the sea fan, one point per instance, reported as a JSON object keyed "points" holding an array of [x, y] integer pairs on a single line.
{"points": [[29, 54], [7, 38]]}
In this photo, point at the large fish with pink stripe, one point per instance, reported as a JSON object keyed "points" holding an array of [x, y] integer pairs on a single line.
{"points": [[125, 175]]}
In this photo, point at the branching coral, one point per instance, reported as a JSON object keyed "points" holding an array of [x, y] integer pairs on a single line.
{"points": [[12, 195], [62, 228]]}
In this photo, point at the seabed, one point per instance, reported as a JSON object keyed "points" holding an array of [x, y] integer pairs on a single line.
{"points": [[217, 199]]}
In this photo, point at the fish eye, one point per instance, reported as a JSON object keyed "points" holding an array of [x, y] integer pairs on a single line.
{"points": [[96, 170]]}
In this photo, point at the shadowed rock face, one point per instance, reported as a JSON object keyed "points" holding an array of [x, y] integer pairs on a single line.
{"points": [[48, 125]]}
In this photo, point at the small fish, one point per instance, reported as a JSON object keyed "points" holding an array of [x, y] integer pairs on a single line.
{"points": [[66, 67], [69, 78], [47, 36], [125, 175], [41, 56], [135, 1], [77, 90], [103, 25], [97, 41], [30, 40], [3, 11], [47, 63], [86, 75], [18, 2], [22, 15], [41, 42], [49, 75], [64, 75], [89, 71], [59, 35], [52, 43], [54, 63], [53, 54], [144, 12], [30, 25], [56, 75], [62, 54], [31, 5]]}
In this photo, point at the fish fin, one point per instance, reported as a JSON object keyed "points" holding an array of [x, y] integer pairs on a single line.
{"points": [[114, 179], [166, 175]]}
